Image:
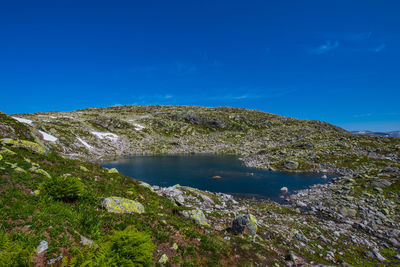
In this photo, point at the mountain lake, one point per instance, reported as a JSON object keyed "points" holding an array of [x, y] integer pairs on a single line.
{"points": [[215, 173]]}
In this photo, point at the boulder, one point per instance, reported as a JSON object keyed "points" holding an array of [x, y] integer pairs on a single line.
{"points": [[83, 168], [113, 170], [284, 189], [6, 151], [28, 145], [122, 205], [216, 177], [196, 215], [163, 259], [290, 165], [42, 246], [244, 222]]}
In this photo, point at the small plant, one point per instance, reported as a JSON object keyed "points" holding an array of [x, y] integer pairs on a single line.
{"points": [[65, 188], [12, 253], [123, 248]]}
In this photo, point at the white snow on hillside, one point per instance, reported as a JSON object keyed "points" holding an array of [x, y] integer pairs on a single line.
{"points": [[84, 143], [109, 136], [48, 137], [23, 120], [138, 127]]}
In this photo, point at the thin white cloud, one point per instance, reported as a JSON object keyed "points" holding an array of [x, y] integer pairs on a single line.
{"points": [[378, 49], [324, 48]]}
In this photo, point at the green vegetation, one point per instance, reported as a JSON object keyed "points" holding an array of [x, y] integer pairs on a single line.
{"points": [[65, 188]]}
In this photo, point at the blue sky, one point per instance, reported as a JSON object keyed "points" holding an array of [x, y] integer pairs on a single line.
{"points": [[336, 61]]}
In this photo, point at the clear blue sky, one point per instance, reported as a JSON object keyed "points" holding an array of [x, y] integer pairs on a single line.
{"points": [[337, 61]]}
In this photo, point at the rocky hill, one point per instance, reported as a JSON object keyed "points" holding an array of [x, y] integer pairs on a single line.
{"points": [[70, 212], [263, 140]]}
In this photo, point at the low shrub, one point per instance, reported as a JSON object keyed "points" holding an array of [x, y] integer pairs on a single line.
{"points": [[12, 253], [122, 248], [65, 188]]}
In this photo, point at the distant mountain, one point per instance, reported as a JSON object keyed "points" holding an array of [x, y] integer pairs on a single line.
{"points": [[386, 134]]}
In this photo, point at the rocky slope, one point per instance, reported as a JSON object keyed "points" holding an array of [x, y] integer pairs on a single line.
{"points": [[355, 220], [263, 140]]}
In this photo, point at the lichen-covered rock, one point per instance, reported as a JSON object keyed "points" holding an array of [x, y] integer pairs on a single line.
{"points": [[43, 172], [113, 170], [290, 165], [196, 215], [19, 170], [83, 168], [244, 222], [147, 186], [122, 205], [28, 145], [163, 259], [6, 151]]}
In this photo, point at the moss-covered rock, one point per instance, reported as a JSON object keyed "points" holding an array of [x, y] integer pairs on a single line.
{"points": [[243, 223], [83, 168], [196, 215], [28, 145], [6, 151], [122, 205], [113, 170]]}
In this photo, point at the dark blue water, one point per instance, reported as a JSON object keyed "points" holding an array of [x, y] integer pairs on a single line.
{"points": [[198, 171]]}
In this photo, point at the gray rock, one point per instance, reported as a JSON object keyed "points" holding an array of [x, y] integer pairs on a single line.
{"points": [[290, 165], [243, 222], [378, 255], [42, 246]]}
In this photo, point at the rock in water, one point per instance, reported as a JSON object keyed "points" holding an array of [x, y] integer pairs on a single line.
{"points": [[284, 189], [245, 222], [196, 215], [290, 165], [216, 177], [122, 205], [324, 176]]}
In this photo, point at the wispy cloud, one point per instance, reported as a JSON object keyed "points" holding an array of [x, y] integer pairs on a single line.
{"points": [[378, 49], [236, 97], [326, 47]]}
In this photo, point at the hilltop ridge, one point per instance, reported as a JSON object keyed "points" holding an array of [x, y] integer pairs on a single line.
{"points": [[262, 139]]}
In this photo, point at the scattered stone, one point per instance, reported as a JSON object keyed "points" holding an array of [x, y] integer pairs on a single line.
{"points": [[244, 222], [86, 241], [163, 259], [122, 205], [378, 255], [290, 165], [175, 246], [42, 246], [55, 260], [113, 170], [284, 189], [147, 186], [196, 215], [83, 168], [227, 238]]}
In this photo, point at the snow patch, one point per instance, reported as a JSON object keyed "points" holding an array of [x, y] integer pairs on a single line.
{"points": [[23, 120], [138, 127], [109, 136], [48, 137], [84, 143]]}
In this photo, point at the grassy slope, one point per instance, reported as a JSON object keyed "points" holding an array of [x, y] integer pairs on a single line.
{"points": [[27, 218]]}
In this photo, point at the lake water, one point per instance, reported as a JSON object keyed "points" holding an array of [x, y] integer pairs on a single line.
{"points": [[198, 171]]}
